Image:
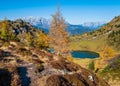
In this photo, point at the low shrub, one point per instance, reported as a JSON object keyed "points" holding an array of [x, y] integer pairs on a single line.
{"points": [[24, 52], [91, 66]]}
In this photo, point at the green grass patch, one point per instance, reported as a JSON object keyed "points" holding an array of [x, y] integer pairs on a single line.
{"points": [[92, 44]]}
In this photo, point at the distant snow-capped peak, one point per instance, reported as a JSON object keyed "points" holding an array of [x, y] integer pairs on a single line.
{"points": [[93, 24], [39, 22]]}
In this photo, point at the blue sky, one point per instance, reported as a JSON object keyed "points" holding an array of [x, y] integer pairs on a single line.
{"points": [[74, 11]]}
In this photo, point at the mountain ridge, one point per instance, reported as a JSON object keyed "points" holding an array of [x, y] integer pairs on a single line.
{"points": [[71, 28]]}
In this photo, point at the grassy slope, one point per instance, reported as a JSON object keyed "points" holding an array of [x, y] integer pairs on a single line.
{"points": [[111, 73], [92, 44], [82, 62]]}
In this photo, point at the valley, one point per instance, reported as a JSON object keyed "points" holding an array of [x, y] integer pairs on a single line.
{"points": [[98, 41], [82, 49]]}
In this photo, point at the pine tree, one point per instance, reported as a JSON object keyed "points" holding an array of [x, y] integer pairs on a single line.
{"points": [[59, 36]]}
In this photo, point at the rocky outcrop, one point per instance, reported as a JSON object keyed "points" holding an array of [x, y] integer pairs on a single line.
{"points": [[65, 64], [73, 75]]}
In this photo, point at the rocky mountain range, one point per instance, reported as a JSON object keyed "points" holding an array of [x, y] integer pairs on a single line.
{"points": [[93, 24], [44, 24]]}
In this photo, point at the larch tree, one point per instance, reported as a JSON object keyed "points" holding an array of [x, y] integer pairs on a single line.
{"points": [[59, 37], [107, 53], [5, 30], [29, 39], [42, 41]]}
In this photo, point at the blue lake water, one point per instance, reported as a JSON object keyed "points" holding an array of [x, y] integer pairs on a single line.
{"points": [[84, 54]]}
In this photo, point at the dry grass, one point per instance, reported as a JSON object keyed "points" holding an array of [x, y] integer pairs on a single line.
{"points": [[114, 82], [82, 62]]}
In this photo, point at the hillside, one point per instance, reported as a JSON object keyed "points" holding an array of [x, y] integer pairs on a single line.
{"points": [[34, 67], [20, 31], [27, 65], [112, 71], [19, 28], [113, 25]]}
